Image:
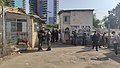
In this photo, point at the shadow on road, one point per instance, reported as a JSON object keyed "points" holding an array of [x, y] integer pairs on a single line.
{"points": [[112, 56], [61, 45], [27, 51], [109, 55], [100, 59], [23, 48], [85, 49]]}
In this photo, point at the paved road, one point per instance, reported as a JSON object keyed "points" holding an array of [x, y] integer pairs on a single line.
{"points": [[65, 56]]}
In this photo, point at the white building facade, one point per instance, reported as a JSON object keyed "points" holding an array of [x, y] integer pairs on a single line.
{"points": [[79, 20]]}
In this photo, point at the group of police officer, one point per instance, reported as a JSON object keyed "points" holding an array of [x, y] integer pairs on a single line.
{"points": [[42, 36]]}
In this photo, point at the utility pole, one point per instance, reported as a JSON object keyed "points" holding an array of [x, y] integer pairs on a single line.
{"points": [[108, 34], [3, 32], [109, 29]]}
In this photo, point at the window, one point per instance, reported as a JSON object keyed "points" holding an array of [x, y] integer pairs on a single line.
{"points": [[67, 30], [19, 27], [66, 19], [13, 26]]}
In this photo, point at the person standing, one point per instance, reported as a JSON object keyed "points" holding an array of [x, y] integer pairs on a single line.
{"points": [[84, 39], [53, 36], [103, 40], [41, 34], [115, 41], [99, 38], [119, 38], [74, 37], [95, 39], [48, 38], [56, 35]]}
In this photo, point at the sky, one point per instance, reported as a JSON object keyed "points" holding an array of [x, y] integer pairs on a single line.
{"points": [[101, 6]]}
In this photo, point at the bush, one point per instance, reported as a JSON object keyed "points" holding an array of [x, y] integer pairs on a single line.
{"points": [[52, 26]]}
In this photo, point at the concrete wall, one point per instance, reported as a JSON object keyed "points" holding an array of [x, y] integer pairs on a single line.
{"points": [[82, 18], [34, 34], [34, 39]]}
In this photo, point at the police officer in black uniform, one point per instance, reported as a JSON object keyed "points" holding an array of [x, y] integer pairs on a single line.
{"points": [[95, 39], [48, 38], [41, 34]]}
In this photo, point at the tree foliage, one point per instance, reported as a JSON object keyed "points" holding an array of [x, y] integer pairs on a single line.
{"points": [[5, 3], [52, 25], [96, 22], [105, 21], [113, 18], [32, 12]]}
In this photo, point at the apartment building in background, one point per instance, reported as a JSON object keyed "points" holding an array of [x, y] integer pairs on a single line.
{"points": [[46, 9], [33, 6], [19, 3]]}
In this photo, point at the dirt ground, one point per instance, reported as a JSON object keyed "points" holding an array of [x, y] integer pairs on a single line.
{"points": [[64, 56]]}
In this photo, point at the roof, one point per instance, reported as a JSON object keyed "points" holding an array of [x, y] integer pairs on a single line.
{"points": [[12, 10], [36, 16], [61, 11], [19, 11]]}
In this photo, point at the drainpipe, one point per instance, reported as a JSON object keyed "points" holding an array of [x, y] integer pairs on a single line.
{"points": [[3, 33]]}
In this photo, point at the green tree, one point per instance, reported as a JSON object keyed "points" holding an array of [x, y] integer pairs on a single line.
{"points": [[52, 25], [105, 21], [112, 20], [5, 3], [32, 13], [96, 22], [116, 13]]}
